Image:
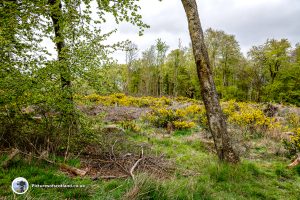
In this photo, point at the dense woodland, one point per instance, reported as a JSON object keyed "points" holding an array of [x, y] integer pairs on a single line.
{"points": [[150, 117], [269, 72]]}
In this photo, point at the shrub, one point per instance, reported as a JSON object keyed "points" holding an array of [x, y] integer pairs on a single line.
{"points": [[293, 120], [131, 126], [160, 117], [181, 118], [249, 116], [123, 100], [181, 125], [293, 145]]}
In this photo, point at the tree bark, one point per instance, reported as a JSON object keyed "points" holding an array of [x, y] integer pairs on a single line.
{"points": [[215, 116], [68, 113], [56, 16]]}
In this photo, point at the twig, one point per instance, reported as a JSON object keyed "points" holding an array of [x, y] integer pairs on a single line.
{"points": [[78, 154], [112, 149], [68, 144], [39, 157], [109, 177], [136, 164], [32, 145]]}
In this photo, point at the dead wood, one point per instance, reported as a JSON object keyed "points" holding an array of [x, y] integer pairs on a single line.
{"points": [[109, 177], [295, 162], [73, 170], [136, 164]]}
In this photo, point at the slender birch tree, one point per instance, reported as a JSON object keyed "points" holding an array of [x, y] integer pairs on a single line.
{"points": [[215, 116]]}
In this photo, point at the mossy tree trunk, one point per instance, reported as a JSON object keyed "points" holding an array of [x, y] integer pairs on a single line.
{"points": [[67, 105], [65, 74], [215, 116]]}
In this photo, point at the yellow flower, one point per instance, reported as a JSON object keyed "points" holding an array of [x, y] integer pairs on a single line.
{"points": [[183, 125]]}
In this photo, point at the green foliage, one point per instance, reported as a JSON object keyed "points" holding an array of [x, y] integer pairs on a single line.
{"points": [[285, 87], [131, 126], [36, 91], [269, 73], [184, 132], [38, 102], [226, 58]]}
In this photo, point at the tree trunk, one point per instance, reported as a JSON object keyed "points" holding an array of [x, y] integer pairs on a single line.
{"points": [[68, 113], [56, 16], [215, 116]]}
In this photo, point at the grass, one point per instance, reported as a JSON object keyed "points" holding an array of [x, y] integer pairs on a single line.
{"points": [[210, 179], [42, 173]]}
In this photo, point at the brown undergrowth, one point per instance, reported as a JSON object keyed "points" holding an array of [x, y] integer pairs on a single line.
{"points": [[116, 156]]}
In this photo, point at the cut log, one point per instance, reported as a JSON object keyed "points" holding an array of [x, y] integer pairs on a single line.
{"points": [[10, 157], [73, 170]]}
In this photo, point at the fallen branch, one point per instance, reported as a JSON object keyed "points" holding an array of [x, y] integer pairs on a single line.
{"points": [[108, 177], [10, 157], [136, 164], [295, 163], [73, 170]]}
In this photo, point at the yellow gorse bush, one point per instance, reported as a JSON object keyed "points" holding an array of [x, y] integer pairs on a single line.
{"points": [[295, 139], [249, 115], [294, 124], [121, 99], [242, 114], [181, 118], [190, 110], [184, 113], [160, 117], [183, 125]]}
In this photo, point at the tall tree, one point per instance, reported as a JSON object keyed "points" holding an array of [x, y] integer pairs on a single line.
{"points": [[161, 49], [276, 56], [215, 116], [56, 15], [31, 78], [257, 71], [148, 62], [225, 56], [296, 53], [131, 55]]}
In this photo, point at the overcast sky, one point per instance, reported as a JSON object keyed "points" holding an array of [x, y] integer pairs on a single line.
{"points": [[251, 21]]}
